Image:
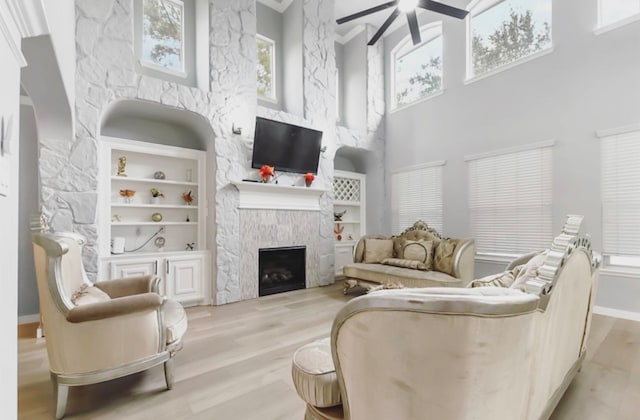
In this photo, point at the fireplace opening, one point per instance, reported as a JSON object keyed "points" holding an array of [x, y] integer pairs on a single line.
{"points": [[281, 270]]}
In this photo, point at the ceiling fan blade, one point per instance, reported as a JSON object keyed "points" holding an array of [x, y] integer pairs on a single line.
{"points": [[384, 26], [434, 6], [413, 26], [366, 12]]}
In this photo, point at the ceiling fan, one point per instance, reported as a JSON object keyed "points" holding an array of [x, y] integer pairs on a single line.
{"points": [[408, 7]]}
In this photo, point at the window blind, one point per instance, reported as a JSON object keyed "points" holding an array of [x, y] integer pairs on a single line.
{"points": [[621, 194], [417, 195], [510, 201]]}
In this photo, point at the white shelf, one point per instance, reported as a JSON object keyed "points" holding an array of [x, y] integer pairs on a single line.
{"points": [[153, 206], [347, 223], [114, 224], [346, 203], [345, 243], [153, 181]]}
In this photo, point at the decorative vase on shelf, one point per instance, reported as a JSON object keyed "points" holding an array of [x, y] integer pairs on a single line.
{"points": [[308, 179], [266, 172]]}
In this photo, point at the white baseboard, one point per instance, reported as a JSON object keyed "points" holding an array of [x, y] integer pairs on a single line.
{"points": [[28, 319], [616, 313]]}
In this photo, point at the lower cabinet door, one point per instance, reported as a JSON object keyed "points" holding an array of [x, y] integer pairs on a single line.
{"points": [[135, 268], [185, 276], [344, 256]]}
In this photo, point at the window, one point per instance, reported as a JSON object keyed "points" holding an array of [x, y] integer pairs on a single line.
{"points": [[266, 68], [612, 11], [621, 198], [417, 70], [163, 35], [504, 31], [510, 197], [417, 194]]}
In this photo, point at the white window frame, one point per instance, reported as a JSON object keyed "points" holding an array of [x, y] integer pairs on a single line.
{"points": [[438, 224], [182, 73], [495, 255], [477, 7], [602, 28], [274, 70], [428, 33], [616, 264]]}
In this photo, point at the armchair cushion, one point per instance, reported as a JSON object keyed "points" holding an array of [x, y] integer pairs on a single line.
{"points": [[376, 250], [397, 262], [129, 286], [314, 374], [87, 294], [115, 307], [444, 257]]}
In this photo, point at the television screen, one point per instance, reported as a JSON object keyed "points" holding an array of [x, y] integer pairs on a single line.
{"points": [[286, 147]]}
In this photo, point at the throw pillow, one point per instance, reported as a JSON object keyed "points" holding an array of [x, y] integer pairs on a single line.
{"points": [[397, 262], [496, 280], [443, 258], [376, 250], [88, 294], [529, 271], [419, 251]]}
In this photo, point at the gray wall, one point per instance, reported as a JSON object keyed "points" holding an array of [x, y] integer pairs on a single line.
{"points": [[150, 131], [340, 81], [590, 82], [292, 28], [28, 206], [355, 83], [269, 24]]}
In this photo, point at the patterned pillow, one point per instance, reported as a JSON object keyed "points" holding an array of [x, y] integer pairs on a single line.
{"points": [[496, 280], [397, 262], [419, 251], [376, 250], [88, 294], [443, 258]]}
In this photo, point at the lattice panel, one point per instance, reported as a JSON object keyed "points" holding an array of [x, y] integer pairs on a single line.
{"points": [[346, 189]]}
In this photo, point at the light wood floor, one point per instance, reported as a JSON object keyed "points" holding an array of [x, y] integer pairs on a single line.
{"points": [[236, 365]]}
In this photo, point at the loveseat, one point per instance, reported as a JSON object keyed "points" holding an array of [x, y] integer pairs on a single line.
{"points": [[481, 353], [418, 257]]}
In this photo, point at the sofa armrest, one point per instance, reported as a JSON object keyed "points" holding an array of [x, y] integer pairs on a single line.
{"points": [[115, 307], [130, 286], [464, 260]]}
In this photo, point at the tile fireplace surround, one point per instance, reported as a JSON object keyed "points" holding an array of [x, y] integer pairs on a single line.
{"points": [[274, 216]]}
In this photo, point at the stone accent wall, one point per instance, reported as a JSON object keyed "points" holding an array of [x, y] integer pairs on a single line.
{"points": [[106, 74], [273, 229]]}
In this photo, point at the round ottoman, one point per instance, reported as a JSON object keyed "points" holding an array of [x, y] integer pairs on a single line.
{"points": [[314, 375]]}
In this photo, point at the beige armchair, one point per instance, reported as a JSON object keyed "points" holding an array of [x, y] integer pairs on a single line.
{"points": [[456, 353], [96, 333]]}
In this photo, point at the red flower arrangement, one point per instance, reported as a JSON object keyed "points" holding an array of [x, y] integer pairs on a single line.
{"points": [[266, 172], [308, 178]]}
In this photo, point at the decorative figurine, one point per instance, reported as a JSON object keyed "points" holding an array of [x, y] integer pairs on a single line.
{"points": [[127, 195], [156, 195], [338, 216], [338, 231], [159, 242], [156, 217], [188, 218], [266, 172], [191, 246], [122, 164], [116, 218], [159, 175], [350, 237], [188, 198]]}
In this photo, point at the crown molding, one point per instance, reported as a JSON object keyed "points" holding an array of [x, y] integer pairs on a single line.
{"points": [[10, 32], [278, 6], [29, 17]]}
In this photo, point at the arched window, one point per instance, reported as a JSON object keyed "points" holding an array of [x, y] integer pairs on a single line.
{"points": [[416, 71], [501, 32]]}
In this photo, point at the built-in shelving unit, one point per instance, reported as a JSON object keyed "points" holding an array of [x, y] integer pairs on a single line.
{"points": [[180, 257], [349, 197]]}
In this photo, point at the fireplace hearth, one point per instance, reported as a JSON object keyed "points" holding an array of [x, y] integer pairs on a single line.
{"points": [[281, 270]]}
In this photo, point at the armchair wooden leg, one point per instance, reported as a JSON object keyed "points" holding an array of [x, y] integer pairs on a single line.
{"points": [[61, 395], [168, 373]]}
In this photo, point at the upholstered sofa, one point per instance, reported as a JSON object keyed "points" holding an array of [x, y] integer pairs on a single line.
{"points": [[481, 353], [452, 269]]}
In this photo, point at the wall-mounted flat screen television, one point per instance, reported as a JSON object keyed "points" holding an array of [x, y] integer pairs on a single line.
{"points": [[286, 147]]}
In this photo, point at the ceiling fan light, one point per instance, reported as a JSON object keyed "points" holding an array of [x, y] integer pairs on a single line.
{"points": [[407, 5]]}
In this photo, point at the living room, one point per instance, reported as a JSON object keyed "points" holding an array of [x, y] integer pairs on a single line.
{"points": [[443, 128]]}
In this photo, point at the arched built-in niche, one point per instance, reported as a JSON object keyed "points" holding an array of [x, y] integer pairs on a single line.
{"points": [[352, 159]]}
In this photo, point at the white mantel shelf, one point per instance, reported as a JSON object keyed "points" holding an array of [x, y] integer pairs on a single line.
{"points": [[258, 195]]}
